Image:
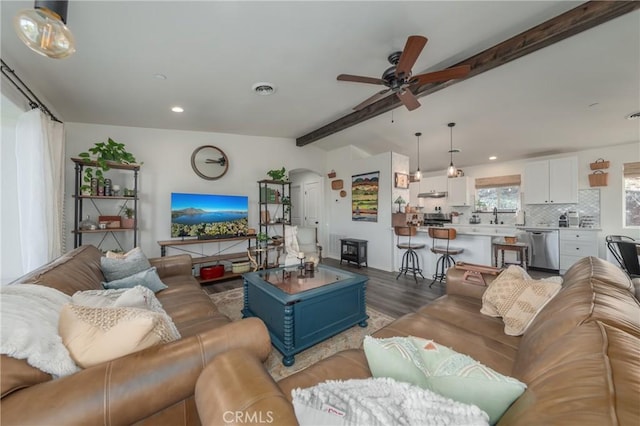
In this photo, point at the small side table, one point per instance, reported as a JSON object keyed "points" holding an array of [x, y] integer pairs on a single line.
{"points": [[521, 249], [353, 250]]}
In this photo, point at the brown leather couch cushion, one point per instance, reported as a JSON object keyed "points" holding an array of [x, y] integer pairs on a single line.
{"points": [[593, 290], [78, 270], [589, 377]]}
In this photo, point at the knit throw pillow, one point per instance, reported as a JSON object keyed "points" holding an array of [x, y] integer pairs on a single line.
{"points": [[518, 298], [96, 335]]}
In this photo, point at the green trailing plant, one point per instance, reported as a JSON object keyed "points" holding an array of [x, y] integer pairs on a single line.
{"points": [[262, 237], [103, 153], [277, 174]]}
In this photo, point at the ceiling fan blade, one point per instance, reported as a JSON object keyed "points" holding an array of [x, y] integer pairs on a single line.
{"points": [[444, 75], [360, 79], [410, 54], [408, 99], [381, 94]]}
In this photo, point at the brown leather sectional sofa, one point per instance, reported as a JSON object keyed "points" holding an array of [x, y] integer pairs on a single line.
{"points": [[580, 358], [154, 386]]}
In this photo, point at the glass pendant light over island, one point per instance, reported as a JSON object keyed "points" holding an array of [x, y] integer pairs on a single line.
{"points": [[451, 171], [418, 175]]}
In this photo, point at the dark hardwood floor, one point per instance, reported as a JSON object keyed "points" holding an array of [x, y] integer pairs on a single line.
{"points": [[384, 293]]}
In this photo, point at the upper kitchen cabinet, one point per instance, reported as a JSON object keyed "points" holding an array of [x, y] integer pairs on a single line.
{"points": [[459, 191], [433, 185], [551, 181]]}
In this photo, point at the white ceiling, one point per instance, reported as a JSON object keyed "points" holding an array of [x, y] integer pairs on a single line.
{"points": [[213, 52]]}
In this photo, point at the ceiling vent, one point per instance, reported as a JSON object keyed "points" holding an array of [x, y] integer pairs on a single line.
{"points": [[264, 89]]}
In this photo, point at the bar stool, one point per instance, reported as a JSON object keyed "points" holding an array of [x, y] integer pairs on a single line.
{"points": [[410, 259], [446, 253]]}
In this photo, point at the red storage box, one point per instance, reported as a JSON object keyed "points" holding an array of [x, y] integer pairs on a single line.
{"points": [[210, 272]]}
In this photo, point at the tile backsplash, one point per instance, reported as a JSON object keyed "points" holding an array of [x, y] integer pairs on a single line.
{"points": [[548, 214], [538, 214]]}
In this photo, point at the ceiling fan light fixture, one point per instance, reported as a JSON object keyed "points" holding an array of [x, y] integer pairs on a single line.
{"points": [[451, 171], [43, 29]]}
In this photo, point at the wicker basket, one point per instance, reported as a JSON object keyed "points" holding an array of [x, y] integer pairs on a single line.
{"points": [[598, 178], [240, 267], [599, 164]]}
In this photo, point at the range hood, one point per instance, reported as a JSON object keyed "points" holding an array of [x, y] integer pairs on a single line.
{"points": [[432, 194]]}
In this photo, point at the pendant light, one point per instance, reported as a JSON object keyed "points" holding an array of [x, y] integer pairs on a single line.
{"points": [[417, 176], [451, 171], [43, 29]]}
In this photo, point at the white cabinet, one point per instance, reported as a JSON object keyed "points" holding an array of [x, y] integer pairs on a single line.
{"points": [[576, 244], [551, 181], [433, 184], [459, 191]]}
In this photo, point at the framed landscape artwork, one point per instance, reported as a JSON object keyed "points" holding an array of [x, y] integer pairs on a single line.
{"points": [[401, 180], [364, 197]]}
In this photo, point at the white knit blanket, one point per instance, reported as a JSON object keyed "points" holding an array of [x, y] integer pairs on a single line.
{"points": [[29, 315], [380, 401]]}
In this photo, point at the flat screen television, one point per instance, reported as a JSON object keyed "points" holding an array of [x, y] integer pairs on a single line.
{"points": [[208, 216]]}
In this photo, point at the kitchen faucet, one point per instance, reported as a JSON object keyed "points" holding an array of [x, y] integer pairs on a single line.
{"points": [[495, 215]]}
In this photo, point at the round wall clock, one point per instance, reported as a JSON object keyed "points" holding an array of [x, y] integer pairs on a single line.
{"points": [[209, 162]]}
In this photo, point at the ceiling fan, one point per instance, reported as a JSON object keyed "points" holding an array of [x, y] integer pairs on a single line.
{"points": [[398, 78]]}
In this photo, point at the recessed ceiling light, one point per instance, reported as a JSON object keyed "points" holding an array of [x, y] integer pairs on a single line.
{"points": [[633, 116], [493, 157], [160, 76], [264, 89], [177, 109]]}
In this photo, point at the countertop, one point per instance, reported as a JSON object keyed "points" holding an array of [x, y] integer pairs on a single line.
{"points": [[490, 230]]}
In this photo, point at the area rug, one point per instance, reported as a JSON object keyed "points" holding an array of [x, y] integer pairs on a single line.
{"points": [[230, 303]]}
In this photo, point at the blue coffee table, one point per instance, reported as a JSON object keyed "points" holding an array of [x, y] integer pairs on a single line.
{"points": [[301, 310]]}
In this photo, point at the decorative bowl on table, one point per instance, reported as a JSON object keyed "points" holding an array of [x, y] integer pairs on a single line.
{"points": [[510, 240]]}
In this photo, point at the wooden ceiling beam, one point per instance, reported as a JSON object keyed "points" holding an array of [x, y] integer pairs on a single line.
{"points": [[574, 21]]}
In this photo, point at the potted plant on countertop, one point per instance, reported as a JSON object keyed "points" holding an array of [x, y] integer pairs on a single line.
{"points": [[128, 221], [103, 153]]}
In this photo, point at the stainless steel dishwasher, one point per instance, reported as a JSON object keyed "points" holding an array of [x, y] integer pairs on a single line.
{"points": [[544, 251]]}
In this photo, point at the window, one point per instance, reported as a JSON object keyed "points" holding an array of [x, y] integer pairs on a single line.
{"points": [[631, 198], [501, 192]]}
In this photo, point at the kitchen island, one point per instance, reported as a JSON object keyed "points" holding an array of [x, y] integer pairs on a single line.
{"points": [[476, 241]]}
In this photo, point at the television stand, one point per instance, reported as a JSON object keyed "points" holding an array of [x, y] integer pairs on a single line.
{"points": [[200, 259]]}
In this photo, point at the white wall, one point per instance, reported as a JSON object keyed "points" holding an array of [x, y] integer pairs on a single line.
{"points": [[167, 168], [351, 161]]}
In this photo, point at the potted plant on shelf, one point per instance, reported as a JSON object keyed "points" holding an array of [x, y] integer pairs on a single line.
{"points": [[278, 174], [262, 238], [128, 221], [103, 153]]}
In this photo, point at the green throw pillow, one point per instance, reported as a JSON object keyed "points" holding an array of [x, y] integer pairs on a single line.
{"points": [[435, 367], [148, 278]]}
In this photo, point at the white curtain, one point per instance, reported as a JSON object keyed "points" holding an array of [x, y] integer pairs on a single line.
{"points": [[40, 160]]}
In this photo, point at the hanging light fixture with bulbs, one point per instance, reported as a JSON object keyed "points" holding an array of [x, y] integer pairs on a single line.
{"points": [[43, 29], [418, 175], [452, 171]]}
